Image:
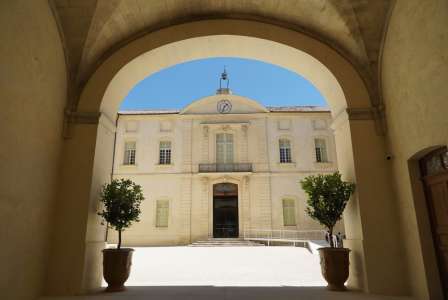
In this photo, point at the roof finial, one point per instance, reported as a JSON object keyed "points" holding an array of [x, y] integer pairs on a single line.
{"points": [[224, 77]]}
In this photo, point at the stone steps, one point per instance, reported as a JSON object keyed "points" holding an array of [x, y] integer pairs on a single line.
{"points": [[225, 243]]}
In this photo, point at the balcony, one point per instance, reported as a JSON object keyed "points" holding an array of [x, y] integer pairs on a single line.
{"points": [[226, 167]]}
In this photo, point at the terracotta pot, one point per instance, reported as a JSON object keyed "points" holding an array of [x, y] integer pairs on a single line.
{"points": [[334, 263], [116, 268]]}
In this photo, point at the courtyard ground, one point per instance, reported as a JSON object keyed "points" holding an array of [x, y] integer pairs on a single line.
{"points": [[225, 273], [225, 266]]}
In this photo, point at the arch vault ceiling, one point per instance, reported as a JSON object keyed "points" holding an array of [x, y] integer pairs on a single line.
{"points": [[93, 28]]}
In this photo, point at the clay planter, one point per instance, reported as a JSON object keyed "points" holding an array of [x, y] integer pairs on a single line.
{"points": [[334, 264], [116, 268]]}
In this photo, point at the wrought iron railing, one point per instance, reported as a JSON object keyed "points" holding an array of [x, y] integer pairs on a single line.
{"points": [[225, 167], [283, 235]]}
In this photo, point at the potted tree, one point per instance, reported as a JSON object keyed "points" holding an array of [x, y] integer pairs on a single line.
{"points": [[327, 198], [121, 199]]}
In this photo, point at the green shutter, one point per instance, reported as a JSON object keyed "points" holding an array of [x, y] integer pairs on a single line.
{"points": [[162, 212], [289, 212]]}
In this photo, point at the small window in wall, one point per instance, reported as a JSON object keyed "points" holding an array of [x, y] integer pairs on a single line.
{"points": [[285, 151], [131, 126], [165, 126], [129, 153], [321, 150], [162, 212], [284, 124], [289, 212], [319, 124], [165, 153]]}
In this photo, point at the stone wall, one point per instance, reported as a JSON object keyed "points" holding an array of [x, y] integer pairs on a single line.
{"points": [[415, 90], [33, 93]]}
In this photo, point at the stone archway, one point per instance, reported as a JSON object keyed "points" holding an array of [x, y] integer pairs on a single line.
{"points": [[87, 155]]}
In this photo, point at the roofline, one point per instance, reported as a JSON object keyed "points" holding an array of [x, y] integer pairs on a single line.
{"points": [[271, 109]]}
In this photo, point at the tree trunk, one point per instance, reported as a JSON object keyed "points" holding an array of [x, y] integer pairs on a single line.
{"points": [[331, 237], [119, 239]]}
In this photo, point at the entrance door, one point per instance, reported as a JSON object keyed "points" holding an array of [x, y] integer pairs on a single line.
{"points": [[435, 176], [225, 210]]}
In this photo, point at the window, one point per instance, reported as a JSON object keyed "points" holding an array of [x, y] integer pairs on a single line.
{"points": [[321, 150], [319, 124], [284, 124], [285, 151], [224, 148], [165, 126], [165, 153], [131, 126], [162, 212], [289, 212], [129, 153]]}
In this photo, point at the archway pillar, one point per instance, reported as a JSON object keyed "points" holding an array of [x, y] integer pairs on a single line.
{"points": [[78, 238], [370, 219]]}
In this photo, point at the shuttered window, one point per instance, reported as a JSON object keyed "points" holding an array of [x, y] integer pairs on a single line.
{"points": [[285, 151], [224, 148], [162, 213], [129, 153], [289, 212], [321, 150], [165, 153]]}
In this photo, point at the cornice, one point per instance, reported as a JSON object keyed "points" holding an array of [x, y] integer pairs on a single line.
{"points": [[75, 117]]}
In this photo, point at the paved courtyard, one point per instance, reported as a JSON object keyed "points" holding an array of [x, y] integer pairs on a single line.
{"points": [[225, 273], [225, 266]]}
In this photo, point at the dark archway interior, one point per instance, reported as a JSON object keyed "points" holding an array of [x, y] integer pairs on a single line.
{"points": [[225, 210]]}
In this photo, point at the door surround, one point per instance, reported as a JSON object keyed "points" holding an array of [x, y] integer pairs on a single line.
{"points": [[434, 176], [225, 193], [226, 179]]}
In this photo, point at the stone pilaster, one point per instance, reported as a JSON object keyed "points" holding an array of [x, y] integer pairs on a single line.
{"points": [[245, 203], [186, 145], [185, 210], [204, 206], [244, 144], [262, 146], [205, 144]]}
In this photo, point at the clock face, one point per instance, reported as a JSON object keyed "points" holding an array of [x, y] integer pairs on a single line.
{"points": [[224, 106]]}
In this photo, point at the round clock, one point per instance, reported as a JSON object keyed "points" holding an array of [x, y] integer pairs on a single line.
{"points": [[224, 106]]}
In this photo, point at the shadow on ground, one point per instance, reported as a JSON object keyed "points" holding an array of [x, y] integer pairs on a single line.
{"points": [[227, 293]]}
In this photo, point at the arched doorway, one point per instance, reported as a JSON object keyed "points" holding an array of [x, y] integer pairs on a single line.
{"points": [[434, 171], [361, 150], [225, 210]]}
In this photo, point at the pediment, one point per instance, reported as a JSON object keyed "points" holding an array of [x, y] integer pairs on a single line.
{"points": [[224, 104]]}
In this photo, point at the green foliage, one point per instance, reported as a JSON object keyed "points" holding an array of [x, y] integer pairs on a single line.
{"points": [[327, 197], [121, 199]]}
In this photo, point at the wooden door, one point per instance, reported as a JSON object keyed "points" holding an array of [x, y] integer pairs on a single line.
{"points": [[435, 176]]}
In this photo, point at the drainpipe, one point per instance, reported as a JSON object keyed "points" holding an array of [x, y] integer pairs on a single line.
{"points": [[112, 167]]}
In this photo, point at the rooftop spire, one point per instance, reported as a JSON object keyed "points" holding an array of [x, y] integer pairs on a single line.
{"points": [[224, 83]]}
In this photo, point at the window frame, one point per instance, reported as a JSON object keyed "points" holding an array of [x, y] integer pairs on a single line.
{"points": [[169, 150], [285, 152], [126, 159], [290, 207], [157, 218], [318, 155], [225, 147]]}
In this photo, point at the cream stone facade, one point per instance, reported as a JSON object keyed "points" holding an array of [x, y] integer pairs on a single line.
{"points": [[187, 180]]}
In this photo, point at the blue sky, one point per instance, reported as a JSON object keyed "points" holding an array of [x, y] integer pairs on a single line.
{"points": [[179, 85]]}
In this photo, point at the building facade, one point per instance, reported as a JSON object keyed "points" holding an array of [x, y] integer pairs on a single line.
{"points": [[221, 166]]}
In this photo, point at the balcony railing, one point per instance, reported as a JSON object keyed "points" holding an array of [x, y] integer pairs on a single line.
{"points": [[226, 167]]}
